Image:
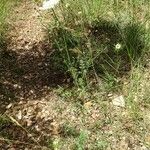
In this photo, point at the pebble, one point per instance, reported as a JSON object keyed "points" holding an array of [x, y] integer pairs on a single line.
{"points": [[119, 101]]}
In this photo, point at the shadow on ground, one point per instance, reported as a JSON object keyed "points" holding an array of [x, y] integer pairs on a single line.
{"points": [[29, 74], [121, 46], [113, 47]]}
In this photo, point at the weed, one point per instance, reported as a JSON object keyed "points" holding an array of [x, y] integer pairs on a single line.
{"points": [[3, 121], [68, 130], [135, 93], [89, 46], [54, 144], [5, 7], [80, 142]]}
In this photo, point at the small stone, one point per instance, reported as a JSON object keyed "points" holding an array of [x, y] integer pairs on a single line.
{"points": [[119, 101], [110, 95], [15, 85], [31, 91], [37, 128], [21, 102], [29, 123]]}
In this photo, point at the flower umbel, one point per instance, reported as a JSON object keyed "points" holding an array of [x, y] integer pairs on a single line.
{"points": [[118, 46]]}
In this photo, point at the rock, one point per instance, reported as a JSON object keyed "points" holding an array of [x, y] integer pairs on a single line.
{"points": [[119, 101]]}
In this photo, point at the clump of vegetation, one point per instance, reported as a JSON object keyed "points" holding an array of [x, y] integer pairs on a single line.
{"points": [[81, 141], [5, 7], [89, 44], [2, 12], [2, 18]]}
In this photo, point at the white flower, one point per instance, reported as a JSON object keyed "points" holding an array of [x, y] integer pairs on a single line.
{"points": [[118, 46], [47, 4]]}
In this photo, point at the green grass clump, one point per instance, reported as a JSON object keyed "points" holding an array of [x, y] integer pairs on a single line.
{"points": [[90, 42], [3, 121], [3, 15], [5, 7], [81, 141]]}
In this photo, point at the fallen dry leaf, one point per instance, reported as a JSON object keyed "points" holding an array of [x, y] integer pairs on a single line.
{"points": [[88, 104], [55, 128], [19, 115]]}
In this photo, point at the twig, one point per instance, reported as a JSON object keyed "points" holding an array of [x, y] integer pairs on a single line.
{"points": [[18, 124], [16, 141]]}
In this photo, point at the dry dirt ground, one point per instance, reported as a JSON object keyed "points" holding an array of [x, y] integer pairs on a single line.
{"points": [[39, 117]]}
